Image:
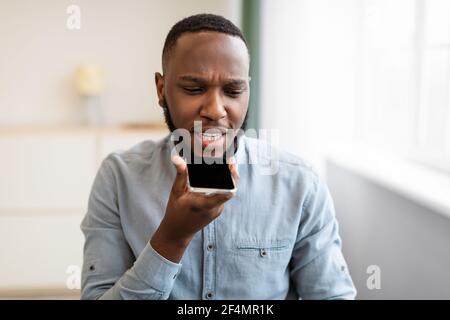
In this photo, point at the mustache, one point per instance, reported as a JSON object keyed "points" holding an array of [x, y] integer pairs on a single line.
{"points": [[209, 128], [171, 126]]}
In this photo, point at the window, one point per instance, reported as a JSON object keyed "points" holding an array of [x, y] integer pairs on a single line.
{"points": [[403, 78]]}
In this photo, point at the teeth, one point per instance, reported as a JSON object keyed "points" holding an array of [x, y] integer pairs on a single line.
{"points": [[211, 136]]}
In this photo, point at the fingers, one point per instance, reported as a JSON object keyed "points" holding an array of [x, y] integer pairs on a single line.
{"points": [[234, 170], [199, 200], [179, 185]]}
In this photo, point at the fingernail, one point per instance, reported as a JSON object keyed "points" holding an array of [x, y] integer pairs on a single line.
{"points": [[177, 160]]}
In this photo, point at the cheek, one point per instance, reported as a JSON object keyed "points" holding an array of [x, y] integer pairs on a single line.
{"points": [[237, 110], [183, 109]]}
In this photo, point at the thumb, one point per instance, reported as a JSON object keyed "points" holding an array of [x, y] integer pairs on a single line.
{"points": [[179, 185], [232, 164]]}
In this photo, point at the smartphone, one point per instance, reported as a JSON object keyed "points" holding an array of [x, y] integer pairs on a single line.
{"points": [[210, 178]]}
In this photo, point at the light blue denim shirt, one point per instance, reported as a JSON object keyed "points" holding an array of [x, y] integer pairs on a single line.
{"points": [[276, 239]]}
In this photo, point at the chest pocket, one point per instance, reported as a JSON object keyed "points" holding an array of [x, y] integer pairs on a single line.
{"points": [[260, 263], [264, 250], [260, 267]]}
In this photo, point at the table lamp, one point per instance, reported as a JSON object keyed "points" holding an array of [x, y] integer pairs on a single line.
{"points": [[90, 83]]}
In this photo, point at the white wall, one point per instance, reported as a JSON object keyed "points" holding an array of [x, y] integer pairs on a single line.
{"points": [[308, 68], [38, 55], [407, 241]]}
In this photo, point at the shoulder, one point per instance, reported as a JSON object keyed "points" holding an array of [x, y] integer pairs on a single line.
{"points": [[289, 174], [264, 153], [138, 156]]}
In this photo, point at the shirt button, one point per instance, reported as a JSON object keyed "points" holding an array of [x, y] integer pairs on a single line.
{"points": [[263, 252], [209, 295], [210, 247]]}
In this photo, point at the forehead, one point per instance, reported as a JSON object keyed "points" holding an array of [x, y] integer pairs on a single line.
{"points": [[208, 54]]}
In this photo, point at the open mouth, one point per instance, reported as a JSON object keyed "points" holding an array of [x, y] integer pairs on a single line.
{"points": [[206, 139], [211, 136]]}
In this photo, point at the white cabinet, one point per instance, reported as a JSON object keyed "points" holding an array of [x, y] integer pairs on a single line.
{"points": [[45, 171], [46, 176], [116, 140], [37, 249]]}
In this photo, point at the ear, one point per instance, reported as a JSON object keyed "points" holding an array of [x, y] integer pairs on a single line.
{"points": [[159, 82]]}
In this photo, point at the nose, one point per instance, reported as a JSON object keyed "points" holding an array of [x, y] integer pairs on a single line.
{"points": [[213, 109]]}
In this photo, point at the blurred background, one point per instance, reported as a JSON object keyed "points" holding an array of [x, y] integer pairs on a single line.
{"points": [[359, 88]]}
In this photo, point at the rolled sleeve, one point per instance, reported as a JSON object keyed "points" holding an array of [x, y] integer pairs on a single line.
{"points": [[155, 270]]}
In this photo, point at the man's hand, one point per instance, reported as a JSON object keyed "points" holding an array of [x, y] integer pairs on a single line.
{"points": [[187, 213]]}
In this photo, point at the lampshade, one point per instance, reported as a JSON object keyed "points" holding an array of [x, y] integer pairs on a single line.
{"points": [[89, 80]]}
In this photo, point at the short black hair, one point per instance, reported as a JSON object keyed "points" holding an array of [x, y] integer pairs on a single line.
{"points": [[198, 23]]}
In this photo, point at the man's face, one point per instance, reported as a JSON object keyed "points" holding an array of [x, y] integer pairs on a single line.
{"points": [[206, 80]]}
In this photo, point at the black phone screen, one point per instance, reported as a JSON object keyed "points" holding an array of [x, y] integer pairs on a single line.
{"points": [[213, 176]]}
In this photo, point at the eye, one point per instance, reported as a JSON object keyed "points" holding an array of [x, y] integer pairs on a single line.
{"points": [[193, 90], [234, 93]]}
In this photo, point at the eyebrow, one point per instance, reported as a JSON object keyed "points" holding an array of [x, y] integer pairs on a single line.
{"points": [[232, 81]]}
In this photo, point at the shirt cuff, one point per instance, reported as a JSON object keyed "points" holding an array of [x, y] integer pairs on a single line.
{"points": [[155, 270]]}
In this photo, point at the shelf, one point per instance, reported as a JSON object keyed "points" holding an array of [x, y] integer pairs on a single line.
{"points": [[124, 129]]}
